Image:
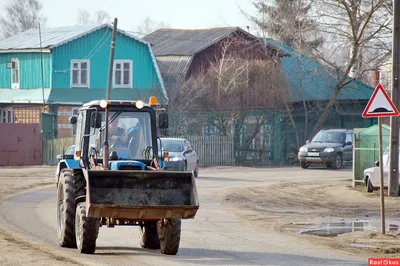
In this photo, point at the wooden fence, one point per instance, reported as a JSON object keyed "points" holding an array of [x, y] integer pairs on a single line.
{"points": [[212, 150], [52, 147]]}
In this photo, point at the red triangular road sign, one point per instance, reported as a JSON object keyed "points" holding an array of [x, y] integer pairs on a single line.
{"points": [[380, 104]]}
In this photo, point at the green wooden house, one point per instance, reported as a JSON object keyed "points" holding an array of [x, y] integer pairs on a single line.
{"points": [[45, 78], [314, 82]]}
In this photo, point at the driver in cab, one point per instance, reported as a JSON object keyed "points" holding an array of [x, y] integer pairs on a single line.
{"points": [[116, 135]]}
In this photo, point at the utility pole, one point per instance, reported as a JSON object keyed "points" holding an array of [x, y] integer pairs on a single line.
{"points": [[108, 92], [110, 67], [393, 184]]}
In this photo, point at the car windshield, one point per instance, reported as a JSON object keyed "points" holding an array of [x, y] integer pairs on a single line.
{"points": [[70, 151], [129, 134], [326, 136], [172, 145]]}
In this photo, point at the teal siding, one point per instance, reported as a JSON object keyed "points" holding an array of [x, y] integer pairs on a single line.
{"points": [[30, 75], [96, 48]]}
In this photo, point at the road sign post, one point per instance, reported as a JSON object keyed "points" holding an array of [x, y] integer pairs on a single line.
{"points": [[380, 105]]}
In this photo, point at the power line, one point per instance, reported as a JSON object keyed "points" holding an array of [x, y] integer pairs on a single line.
{"points": [[90, 55]]}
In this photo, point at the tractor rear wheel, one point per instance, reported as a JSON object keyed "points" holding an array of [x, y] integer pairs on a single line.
{"points": [[86, 230], [169, 233], [149, 236], [71, 185]]}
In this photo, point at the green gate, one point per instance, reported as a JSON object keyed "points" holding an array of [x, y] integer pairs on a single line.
{"points": [[366, 149], [48, 123]]}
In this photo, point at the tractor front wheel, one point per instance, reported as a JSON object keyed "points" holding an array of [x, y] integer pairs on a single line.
{"points": [[149, 236], [86, 230], [169, 233]]}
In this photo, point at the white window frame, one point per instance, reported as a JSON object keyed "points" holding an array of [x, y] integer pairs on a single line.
{"points": [[80, 85], [74, 125], [15, 85], [122, 62], [4, 115]]}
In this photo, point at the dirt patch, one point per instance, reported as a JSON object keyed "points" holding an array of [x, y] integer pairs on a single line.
{"points": [[14, 249], [291, 208]]}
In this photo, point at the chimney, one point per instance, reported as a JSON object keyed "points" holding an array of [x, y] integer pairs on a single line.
{"points": [[375, 77]]}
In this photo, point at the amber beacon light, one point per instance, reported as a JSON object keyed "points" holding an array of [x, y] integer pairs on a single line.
{"points": [[153, 101]]}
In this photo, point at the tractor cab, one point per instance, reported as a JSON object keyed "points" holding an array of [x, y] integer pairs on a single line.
{"points": [[130, 141]]}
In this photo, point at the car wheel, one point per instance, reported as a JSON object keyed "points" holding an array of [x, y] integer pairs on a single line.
{"points": [[304, 165], [337, 164], [370, 187], [196, 172], [185, 167]]}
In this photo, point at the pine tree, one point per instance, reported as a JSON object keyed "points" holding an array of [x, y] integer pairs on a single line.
{"points": [[288, 21]]}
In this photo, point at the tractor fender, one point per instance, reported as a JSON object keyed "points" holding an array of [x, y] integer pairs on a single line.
{"points": [[68, 164]]}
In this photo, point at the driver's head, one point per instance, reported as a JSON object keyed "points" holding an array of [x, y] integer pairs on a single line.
{"points": [[114, 124]]}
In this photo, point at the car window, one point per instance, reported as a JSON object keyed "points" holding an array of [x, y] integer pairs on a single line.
{"points": [[329, 136], [172, 145], [349, 138], [70, 150], [187, 146]]}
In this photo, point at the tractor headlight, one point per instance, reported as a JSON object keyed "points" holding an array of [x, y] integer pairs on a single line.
{"points": [[103, 103], [139, 104], [329, 150], [175, 159]]}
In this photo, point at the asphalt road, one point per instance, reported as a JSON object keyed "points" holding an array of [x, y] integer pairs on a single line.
{"points": [[214, 237]]}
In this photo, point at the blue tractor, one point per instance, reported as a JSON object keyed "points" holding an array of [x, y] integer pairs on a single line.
{"points": [[116, 178]]}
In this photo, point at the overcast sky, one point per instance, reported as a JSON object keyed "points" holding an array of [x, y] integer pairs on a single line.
{"points": [[177, 13]]}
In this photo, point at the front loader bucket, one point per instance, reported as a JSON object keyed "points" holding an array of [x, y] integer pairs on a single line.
{"points": [[141, 195]]}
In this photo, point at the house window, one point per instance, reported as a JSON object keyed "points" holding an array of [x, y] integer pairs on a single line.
{"points": [[6, 115], [210, 130], [80, 70], [15, 74], [75, 113], [123, 74]]}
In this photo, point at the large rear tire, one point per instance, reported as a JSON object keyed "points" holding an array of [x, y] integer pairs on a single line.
{"points": [[169, 234], [149, 236], [86, 230], [71, 185]]}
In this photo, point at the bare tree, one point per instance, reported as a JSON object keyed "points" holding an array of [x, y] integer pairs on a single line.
{"points": [[21, 15], [101, 16], [235, 87], [289, 22], [355, 24], [83, 17], [148, 26]]}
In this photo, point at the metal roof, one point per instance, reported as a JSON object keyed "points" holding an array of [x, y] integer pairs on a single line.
{"points": [[174, 65], [318, 80], [52, 37], [188, 42]]}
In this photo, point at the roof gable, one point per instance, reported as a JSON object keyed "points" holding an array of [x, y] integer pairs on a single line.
{"points": [[53, 37], [186, 42], [318, 81]]}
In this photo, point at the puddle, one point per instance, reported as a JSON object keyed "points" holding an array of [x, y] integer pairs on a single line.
{"points": [[289, 211], [332, 229], [361, 245]]}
